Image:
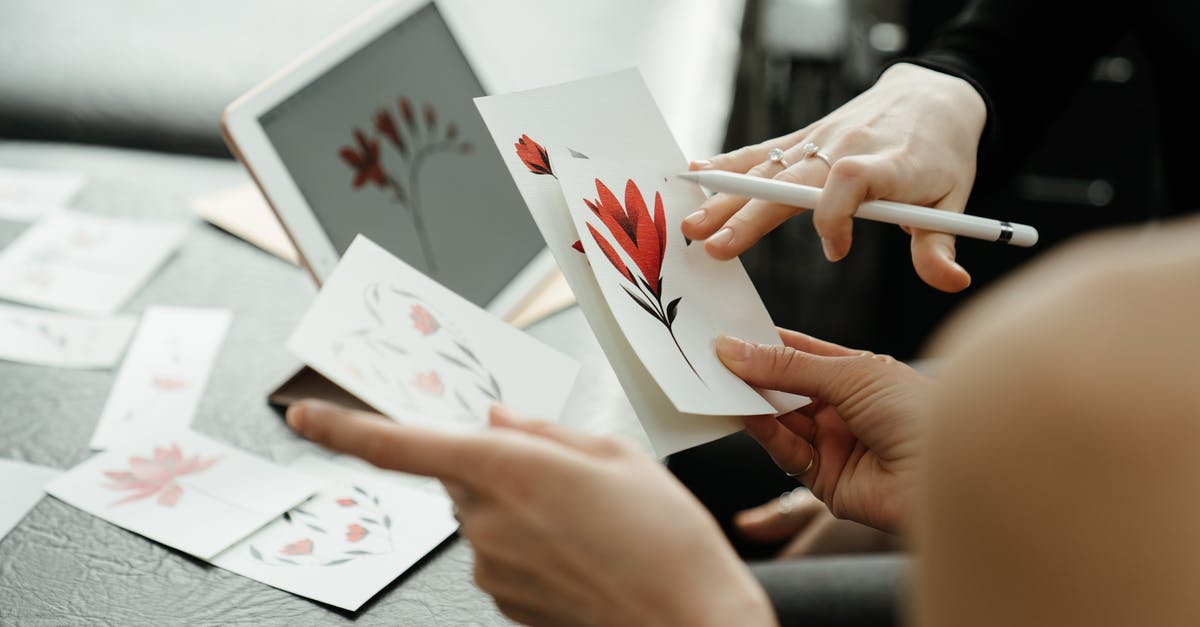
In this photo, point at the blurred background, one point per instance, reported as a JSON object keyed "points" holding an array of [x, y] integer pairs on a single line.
{"points": [[153, 77]]}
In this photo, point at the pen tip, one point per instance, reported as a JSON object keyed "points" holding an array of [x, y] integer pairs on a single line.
{"points": [[688, 176]]}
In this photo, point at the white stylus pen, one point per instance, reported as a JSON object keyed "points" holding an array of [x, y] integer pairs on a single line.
{"points": [[878, 210]]}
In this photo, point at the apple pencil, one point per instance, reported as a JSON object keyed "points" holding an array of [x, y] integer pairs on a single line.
{"points": [[878, 210]]}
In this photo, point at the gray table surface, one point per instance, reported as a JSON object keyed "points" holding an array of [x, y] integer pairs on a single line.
{"points": [[61, 566]]}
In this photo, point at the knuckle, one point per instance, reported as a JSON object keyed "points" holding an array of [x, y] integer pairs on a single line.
{"points": [[855, 135], [849, 169], [781, 358]]}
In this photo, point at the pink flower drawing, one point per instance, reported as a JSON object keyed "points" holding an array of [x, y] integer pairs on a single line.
{"points": [[423, 321], [346, 502], [429, 383], [156, 475], [300, 547], [356, 532]]}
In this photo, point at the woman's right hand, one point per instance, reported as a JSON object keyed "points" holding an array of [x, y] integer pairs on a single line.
{"points": [[856, 446], [912, 137]]}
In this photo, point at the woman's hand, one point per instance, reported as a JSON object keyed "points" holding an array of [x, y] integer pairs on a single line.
{"points": [[862, 427], [912, 137], [568, 529], [810, 528]]}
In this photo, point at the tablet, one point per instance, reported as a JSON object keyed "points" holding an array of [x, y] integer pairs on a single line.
{"points": [[375, 132]]}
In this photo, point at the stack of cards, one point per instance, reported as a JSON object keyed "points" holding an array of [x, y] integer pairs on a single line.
{"points": [[594, 161]]}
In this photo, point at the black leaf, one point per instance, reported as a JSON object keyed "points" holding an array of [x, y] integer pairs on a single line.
{"points": [[336, 562], [287, 516], [387, 521], [315, 528], [361, 491], [367, 519], [454, 360], [486, 392], [255, 554], [357, 552], [466, 351], [576, 153], [287, 561], [672, 309], [644, 305], [495, 385]]}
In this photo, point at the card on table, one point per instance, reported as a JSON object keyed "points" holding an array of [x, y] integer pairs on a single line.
{"points": [[44, 338], [347, 542], [183, 489], [84, 263], [24, 484], [607, 117], [163, 376], [29, 194], [419, 353]]}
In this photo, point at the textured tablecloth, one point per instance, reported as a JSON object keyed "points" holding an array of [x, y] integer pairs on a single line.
{"points": [[61, 566]]}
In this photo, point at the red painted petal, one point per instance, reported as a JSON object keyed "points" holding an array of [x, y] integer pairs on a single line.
{"points": [[660, 224], [609, 252], [351, 157], [578, 245], [610, 220], [648, 257], [610, 205], [170, 495]]}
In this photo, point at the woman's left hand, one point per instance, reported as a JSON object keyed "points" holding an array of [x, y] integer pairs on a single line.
{"points": [[567, 528]]}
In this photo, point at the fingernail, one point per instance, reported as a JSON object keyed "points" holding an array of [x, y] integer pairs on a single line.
{"points": [[734, 348], [700, 164], [724, 237], [295, 415], [500, 415], [828, 248], [697, 218]]}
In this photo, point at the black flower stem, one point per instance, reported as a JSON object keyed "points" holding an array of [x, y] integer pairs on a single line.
{"points": [[662, 317]]}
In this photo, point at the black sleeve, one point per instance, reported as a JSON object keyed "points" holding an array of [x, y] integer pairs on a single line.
{"points": [[1026, 58]]}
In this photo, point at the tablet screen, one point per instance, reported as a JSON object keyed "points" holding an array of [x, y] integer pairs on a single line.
{"points": [[388, 143]]}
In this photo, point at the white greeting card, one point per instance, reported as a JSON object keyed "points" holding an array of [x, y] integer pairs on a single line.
{"points": [[85, 263], [419, 353], [45, 338], [347, 542], [23, 486], [29, 194], [607, 117], [183, 489], [671, 298], [163, 376]]}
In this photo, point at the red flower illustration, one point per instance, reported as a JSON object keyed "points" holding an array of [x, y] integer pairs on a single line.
{"points": [[413, 141], [534, 156], [356, 532], [346, 502], [643, 238], [578, 245], [423, 321], [147, 477], [386, 124], [300, 547], [364, 161], [429, 383]]}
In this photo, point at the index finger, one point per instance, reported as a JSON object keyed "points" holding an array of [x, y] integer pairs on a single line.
{"points": [[385, 443]]}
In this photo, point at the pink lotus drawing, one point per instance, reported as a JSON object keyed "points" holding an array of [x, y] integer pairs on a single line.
{"points": [[429, 383], [147, 477], [423, 321], [346, 502]]}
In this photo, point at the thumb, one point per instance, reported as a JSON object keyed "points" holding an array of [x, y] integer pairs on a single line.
{"points": [[778, 367]]}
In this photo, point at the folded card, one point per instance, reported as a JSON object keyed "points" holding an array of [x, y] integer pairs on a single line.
{"points": [[182, 489], [613, 117], [347, 542], [419, 353], [85, 263], [45, 338]]}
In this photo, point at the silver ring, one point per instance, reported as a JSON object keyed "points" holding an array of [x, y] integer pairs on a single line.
{"points": [[812, 463], [776, 156], [790, 501], [810, 149]]}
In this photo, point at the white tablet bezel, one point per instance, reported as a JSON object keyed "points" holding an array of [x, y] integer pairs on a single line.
{"points": [[249, 142]]}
